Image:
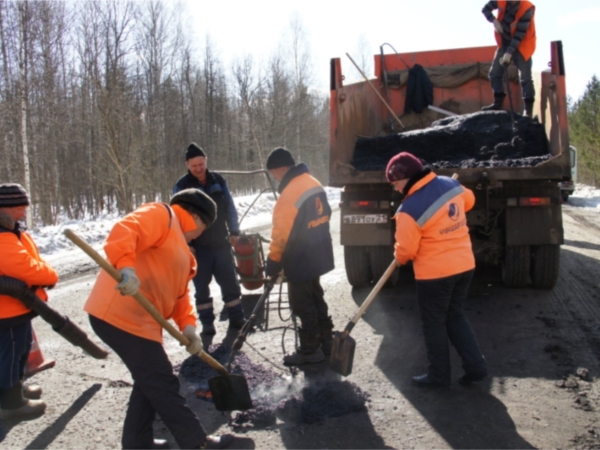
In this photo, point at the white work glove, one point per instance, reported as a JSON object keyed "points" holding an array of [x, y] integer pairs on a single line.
{"points": [[130, 283], [195, 345], [498, 26], [505, 60]]}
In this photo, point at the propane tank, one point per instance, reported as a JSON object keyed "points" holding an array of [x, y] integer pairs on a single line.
{"points": [[249, 261]]}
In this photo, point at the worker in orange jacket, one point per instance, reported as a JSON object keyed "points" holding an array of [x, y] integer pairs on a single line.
{"points": [[21, 260], [432, 232], [301, 248], [150, 249], [515, 35]]}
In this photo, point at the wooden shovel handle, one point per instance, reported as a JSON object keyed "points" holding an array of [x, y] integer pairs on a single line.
{"points": [[149, 307]]}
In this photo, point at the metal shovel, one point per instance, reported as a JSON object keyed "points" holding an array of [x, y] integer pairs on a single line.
{"points": [[229, 392], [342, 352]]}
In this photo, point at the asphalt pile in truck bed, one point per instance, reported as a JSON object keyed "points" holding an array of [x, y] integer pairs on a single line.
{"points": [[481, 139], [277, 396]]}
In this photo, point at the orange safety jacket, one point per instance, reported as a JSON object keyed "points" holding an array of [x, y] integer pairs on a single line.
{"points": [[151, 240], [21, 260], [431, 228], [528, 43]]}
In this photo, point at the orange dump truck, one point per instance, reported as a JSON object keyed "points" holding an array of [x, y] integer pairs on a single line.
{"points": [[517, 221]]}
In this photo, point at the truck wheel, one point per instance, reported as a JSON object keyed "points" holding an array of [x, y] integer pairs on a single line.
{"points": [[545, 264], [381, 258], [515, 269], [358, 268]]}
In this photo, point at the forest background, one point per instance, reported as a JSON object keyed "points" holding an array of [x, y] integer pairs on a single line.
{"points": [[99, 99]]}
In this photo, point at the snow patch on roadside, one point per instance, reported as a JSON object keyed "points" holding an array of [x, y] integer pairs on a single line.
{"points": [[586, 197]]}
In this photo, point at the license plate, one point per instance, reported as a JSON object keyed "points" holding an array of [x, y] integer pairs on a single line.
{"points": [[366, 219]]}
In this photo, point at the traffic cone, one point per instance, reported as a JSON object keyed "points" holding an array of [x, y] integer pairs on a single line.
{"points": [[36, 362]]}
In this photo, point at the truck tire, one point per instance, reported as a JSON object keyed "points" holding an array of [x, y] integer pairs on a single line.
{"points": [[516, 266], [358, 265], [545, 264], [381, 258]]}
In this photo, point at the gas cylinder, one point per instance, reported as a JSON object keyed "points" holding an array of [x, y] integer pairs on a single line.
{"points": [[249, 261]]}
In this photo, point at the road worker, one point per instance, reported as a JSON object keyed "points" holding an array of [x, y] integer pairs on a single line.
{"points": [[21, 260], [213, 248], [301, 247], [432, 232], [149, 247], [515, 34]]}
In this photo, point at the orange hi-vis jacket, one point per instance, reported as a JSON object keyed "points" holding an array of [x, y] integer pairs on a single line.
{"points": [[431, 228], [151, 240], [21, 260], [528, 43]]}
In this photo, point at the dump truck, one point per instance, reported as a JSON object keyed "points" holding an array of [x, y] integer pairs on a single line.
{"points": [[516, 223]]}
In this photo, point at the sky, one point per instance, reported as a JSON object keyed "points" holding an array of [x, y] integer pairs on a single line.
{"points": [[332, 28]]}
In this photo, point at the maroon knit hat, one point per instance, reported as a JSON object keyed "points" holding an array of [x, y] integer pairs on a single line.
{"points": [[402, 166]]}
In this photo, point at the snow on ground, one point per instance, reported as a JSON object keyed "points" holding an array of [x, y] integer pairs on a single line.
{"points": [[586, 197], [62, 254]]}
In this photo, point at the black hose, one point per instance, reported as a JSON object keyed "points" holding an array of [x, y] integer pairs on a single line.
{"points": [[61, 324]]}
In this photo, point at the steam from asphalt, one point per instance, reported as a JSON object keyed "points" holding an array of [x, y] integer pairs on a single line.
{"points": [[274, 395]]}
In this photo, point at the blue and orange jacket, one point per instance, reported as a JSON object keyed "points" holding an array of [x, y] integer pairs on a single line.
{"points": [[151, 240], [300, 240], [431, 228], [21, 260]]}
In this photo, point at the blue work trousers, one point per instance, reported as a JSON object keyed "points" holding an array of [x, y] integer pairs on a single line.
{"points": [[15, 345], [497, 70]]}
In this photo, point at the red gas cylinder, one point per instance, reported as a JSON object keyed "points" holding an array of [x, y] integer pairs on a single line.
{"points": [[249, 261]]}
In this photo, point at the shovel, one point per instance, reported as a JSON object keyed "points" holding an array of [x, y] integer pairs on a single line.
{"points": [[512, 110], [342, 352], [229, 392]]}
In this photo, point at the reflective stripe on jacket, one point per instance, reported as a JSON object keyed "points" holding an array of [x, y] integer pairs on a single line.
{"points": [[151, 240], [300, 239], [431, 228], [527, 45], [21, 260]]}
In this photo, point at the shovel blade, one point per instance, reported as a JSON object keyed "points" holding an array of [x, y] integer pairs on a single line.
{"points": [[342, 354], [230, 393]]}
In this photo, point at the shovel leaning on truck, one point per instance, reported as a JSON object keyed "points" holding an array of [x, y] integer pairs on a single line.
{"points": [[229, 392]]}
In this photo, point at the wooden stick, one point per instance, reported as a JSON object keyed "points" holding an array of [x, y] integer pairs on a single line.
{"points": [[377, 92]]}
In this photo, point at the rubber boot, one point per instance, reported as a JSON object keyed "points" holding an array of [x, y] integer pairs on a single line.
{"points": [[529, 107], [33, 392], [207, 319], [236, 316], [309, 351], [15, 406], [326, 330], [497, 105]]}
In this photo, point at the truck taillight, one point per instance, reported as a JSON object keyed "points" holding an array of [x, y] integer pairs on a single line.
{"points": [[534, 201], [363, 204]]}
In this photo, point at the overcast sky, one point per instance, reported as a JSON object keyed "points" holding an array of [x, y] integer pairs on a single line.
{"points": [[259, 27]]}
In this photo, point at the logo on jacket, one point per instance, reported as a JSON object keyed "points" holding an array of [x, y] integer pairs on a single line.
{"points": [[319, 206], [453, 212]]}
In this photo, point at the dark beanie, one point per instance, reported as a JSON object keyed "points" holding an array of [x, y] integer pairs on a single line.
{"points": [[197, 202], [280, 157], [193, 150], [13, 194], [402, 166]]}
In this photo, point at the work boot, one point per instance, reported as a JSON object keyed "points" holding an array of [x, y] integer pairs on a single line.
{"points": [[160, 444], [528, 107], [209, 329], [33, 392], [326, 330], [236, 316], [309, 350], [497, 105], [237, 323], [30, 410], [214, 442]]}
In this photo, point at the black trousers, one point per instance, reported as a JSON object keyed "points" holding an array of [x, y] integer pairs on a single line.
{"points": [[441, 306], [155, 390], [308, 303]]}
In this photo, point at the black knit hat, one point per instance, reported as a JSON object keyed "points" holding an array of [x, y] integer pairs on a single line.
{"points": [[193, 150], [13, 194], [280, 157], [196, 202]]}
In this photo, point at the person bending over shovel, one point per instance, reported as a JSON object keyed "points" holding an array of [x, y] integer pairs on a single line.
{"points": [[150, 249], [432, 232], [301, 247], [21, 260]]}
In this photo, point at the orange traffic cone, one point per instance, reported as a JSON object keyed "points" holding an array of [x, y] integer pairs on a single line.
{"points": [[36, 362]]}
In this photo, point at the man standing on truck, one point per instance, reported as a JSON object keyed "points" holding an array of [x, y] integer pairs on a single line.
{"points": [[515, 35], [432, 232], [301, 247], [213, 248]]}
